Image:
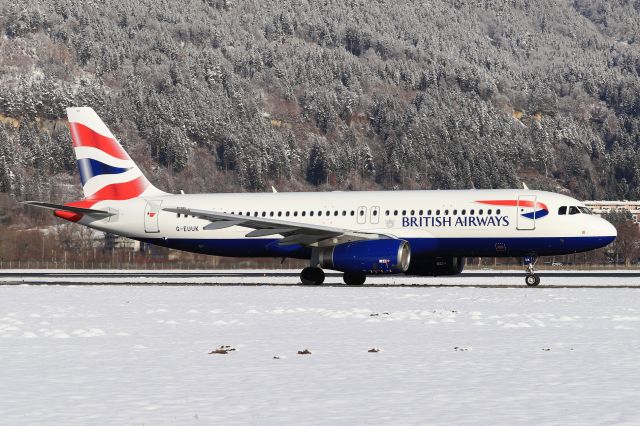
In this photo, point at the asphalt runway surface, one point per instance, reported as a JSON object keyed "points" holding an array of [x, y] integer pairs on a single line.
{"points": [[83, 278]]}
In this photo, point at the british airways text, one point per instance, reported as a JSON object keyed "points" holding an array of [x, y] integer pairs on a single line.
{"points": [[461, 221]]}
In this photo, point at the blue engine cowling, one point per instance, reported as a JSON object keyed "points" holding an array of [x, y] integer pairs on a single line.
{"points": [[436, 266], [369, 256]]}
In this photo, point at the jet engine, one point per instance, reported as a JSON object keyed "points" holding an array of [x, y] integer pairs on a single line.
{"points": [[369, 256]]}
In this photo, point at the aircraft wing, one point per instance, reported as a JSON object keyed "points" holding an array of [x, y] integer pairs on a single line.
{"points": [[292, 232]]}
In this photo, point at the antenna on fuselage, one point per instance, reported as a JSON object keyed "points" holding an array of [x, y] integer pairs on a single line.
{"points": [[524, 185]]}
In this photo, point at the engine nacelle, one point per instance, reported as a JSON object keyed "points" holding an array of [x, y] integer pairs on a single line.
{"points": [[369, 256], [435, 266]]}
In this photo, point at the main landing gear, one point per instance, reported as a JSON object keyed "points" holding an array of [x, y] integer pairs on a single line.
{"points": [[313, 275], [531, 279], [354, 278]]}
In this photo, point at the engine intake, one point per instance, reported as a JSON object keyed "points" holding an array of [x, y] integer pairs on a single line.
{"points": [[435, 266], [370, 256]]}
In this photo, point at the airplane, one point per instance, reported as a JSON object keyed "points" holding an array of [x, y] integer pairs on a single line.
{"points": [[423, 233]]}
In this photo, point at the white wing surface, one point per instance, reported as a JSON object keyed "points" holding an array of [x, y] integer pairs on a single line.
{"points": [[306, 234]]}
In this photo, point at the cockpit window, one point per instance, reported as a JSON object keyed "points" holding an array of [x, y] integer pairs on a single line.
{"points": [[573, 210], [585, 210], [562, 210]]}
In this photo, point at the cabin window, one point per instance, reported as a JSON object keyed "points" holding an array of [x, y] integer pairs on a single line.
{"points": [[498, 211], [319, 212], [361, 212], [395, 212], [344, 212], [295, 213], [375, 212], [413, 212], [264, 214], [335, 212], [304, 213], [480, 211], [386, 213], [446, 212], [270, 214], [429, 213], [279, 214], [328, 213], [404, 212], [353, 213], [455, 212], [489, 211], [437, 212], [311, 213], [472, 212], [421, 212], [255, 214], [562, 210]]}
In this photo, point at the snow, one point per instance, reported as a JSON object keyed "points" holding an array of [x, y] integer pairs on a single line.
{"points": [[120, 354]]}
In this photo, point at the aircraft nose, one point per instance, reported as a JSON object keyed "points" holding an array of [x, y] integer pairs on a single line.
{"points": [[609, 230]]}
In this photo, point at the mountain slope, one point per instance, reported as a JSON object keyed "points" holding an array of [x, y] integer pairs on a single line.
{"points": [[223, 95]]}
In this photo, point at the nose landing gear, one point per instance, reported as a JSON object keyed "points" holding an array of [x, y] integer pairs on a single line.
{"points": [[531, 279]]}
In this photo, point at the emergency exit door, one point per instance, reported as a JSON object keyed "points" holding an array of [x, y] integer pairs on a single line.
{"points": [[375, 215], [362, 215]]}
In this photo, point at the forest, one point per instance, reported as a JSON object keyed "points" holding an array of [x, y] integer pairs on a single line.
{"points": [[232, 95]]}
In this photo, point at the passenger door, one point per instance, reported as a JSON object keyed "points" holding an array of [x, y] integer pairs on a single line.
{"points": [[526, 219], [151, 215]]}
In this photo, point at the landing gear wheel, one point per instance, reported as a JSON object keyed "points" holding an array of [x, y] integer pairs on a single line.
{"points": [[312, 276], [354, 278], [532, 280]]}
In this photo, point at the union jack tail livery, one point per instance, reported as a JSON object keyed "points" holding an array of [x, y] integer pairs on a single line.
{"points": [[106, 170]]}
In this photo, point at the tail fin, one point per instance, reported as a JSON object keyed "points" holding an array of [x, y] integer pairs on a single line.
{"points": [[106, 170]]}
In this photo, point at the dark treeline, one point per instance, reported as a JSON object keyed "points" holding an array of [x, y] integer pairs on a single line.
{"points": [[221, 95]]}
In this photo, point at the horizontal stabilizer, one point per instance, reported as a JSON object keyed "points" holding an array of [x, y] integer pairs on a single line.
{"points": [[79, 210]]}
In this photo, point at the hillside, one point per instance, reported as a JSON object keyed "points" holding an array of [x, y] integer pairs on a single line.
{"points": [[222, 95]]}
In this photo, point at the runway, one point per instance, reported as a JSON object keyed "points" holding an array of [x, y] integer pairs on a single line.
{"points": [[253, 278]]}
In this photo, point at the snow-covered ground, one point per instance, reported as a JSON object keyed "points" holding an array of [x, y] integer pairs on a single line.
{"points": [[95, 355]]}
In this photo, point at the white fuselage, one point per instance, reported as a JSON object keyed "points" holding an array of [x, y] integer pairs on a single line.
{"points": [[456, 222]]}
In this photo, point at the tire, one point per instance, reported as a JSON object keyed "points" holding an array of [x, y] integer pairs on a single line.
{"points": [[532, 280], [354, 278], [312, 276]]}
